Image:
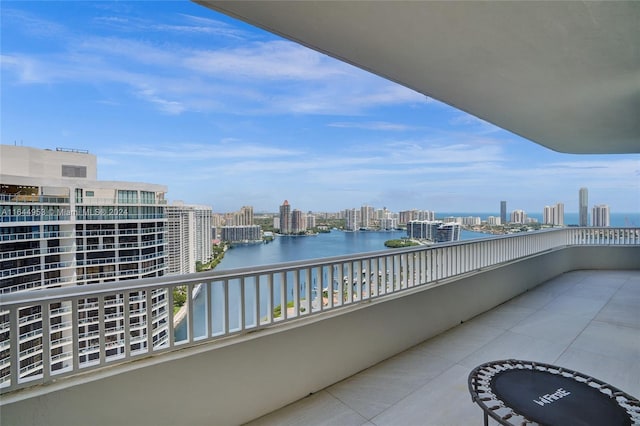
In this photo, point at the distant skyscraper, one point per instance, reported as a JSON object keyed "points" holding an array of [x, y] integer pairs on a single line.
{"points": [[298, 221], [351, 220], [241, 233], [247, 215], [311, 221], [366, 216], [600, 215], [553, 215], [433, 230], [503, 212], [285, 218], [492, 220], [518, 216], [181, 238], [584, 210], [189, 236]]}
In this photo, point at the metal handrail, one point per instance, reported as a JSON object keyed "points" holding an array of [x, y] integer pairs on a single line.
{"points": [[255, 297]]}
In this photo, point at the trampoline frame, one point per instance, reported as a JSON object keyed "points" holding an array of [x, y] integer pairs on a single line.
{"points": [[481, 393]]}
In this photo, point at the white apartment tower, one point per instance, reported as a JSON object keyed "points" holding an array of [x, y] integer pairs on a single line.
{"points": [[351, 219], [247, 215], [189, 236], [59, 226], [181, 236], [204, 236], [553, 215], [600, 215], [493, 220], [518, 216], [367, 216]]}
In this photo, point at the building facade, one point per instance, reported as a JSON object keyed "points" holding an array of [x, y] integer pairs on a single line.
{"points": [[285, 218], [600, 215], [59, 226], [190, 235], [352, 219], [518, 216], [503, 212], [553, 215], [433, 230], [492, 220], [236, 234], [583, 203], [298, 222]]}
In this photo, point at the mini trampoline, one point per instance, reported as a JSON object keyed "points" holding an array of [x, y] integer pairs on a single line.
{"points": [[515, 392]]}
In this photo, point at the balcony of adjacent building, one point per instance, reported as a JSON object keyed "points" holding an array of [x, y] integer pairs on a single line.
{"points": [[380, 338]]}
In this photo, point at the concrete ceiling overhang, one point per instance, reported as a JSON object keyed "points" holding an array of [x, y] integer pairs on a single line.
{"points": [[563, 74]]}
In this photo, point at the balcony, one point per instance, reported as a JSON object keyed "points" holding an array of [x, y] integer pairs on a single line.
{"points": [[393, 345], [584, 320]]}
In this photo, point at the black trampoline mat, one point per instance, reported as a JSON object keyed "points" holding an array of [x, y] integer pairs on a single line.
{"points": [[552, 399]]}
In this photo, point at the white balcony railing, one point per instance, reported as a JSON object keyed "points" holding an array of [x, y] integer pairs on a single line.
{"points": [[220, 304]]}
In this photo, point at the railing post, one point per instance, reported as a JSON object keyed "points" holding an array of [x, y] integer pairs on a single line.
{"points": [[46, 342], [225, 292], [149, 316], [242, 309], [126, 310], [14, 345], [205, 285], [102, 341], [190, 313]]}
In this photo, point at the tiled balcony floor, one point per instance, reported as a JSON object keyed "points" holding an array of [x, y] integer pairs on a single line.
{"points": [[587, 321]]}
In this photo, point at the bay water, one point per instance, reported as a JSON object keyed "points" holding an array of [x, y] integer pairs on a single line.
{"points": [[294, 248], [281, 249]]}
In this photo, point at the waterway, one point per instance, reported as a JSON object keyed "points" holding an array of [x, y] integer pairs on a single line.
{"points": [[281, 249], [292, 248]]}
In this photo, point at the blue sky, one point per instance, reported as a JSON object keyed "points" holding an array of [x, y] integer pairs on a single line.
{"points": [[228, 115]]}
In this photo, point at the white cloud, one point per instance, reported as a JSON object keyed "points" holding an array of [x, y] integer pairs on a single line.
{"points": [[372, 125], [266, 77], [186, 152]]}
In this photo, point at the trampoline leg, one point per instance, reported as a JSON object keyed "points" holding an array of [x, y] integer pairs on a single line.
{"points": [[486, 419]]}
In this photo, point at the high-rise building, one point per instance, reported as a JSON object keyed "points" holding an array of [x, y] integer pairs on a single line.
{"points": [[189, 236], [600, 215], [247, 215], [181, 239], [518, 216], [448, 232], [553, 215], [60, 226], [367, 217], [388, 223], [409, 215], [503, 212], [492, 220], [204, 237], [433, 230], [311, 221], [583, 196], [241, 233], [351, 222], [405, 217], [285, 218], [298, 221]]}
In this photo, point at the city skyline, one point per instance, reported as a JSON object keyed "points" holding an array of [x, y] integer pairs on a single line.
{"points": [[225, 115]]}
